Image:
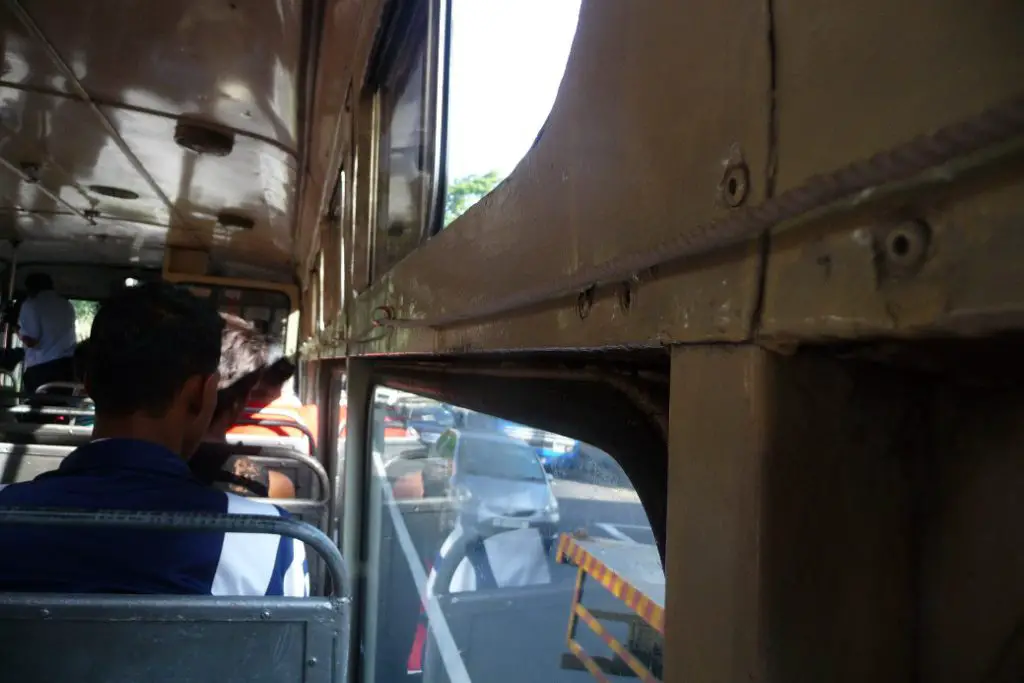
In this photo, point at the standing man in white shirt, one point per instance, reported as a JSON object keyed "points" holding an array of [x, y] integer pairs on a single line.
{"points": [[46, 326]]}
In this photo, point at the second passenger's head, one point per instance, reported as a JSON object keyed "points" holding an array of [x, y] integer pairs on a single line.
{"points": [[243, 359], [151, 366]]}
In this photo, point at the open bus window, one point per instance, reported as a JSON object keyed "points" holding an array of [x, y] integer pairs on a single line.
{"points": [[85, 311], [499, 94], [468, 515]]}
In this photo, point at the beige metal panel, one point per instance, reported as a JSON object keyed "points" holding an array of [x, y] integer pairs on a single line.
{"points": [[106, 240], [233, 62], [614, 174], [708, 298], [789, 548], [256, 180], [841, 277], [856, 78], [972, 559], [73, 152], [348, 32]]}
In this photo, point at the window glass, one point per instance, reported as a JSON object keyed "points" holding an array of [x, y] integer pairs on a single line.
{"points": [[407, 149], [498, 458], [267, 310], [499, 94], [85, 311], [465, 524]]}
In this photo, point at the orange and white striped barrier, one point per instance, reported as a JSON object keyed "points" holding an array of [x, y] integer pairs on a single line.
{"points": [[629, 571]]}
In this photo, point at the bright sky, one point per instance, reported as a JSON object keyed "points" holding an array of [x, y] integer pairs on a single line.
{"points": [[507, 60]]}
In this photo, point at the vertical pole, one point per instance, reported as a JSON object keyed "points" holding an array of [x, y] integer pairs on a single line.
{"points": [[9, 294], [355, 482]]}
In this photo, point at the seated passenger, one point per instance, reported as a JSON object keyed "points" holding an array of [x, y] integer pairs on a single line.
{"points": [[243, 365], [151, 369]]}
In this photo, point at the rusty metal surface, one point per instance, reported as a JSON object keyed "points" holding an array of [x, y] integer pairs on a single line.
{"points": [[843, 278], [857, 78], [612, 175], [503, 278]]}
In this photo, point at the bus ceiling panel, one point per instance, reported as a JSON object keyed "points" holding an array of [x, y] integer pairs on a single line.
{"points": [[88, 252], [65, 226], [255, 182], [236, 63], [63, 159]]}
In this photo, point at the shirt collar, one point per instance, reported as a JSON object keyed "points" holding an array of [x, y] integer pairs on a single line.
{"points": [[125, 454]]}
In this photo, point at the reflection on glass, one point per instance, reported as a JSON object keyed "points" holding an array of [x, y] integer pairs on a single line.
{"points": [[506, 62], [406, 173], [477, 508], [500, 459]]}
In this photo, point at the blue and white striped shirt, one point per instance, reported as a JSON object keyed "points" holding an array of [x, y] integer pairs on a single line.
{"points": [[126, 474]]}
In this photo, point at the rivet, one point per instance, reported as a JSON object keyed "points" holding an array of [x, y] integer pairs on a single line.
{"points": [[44, 613], [311, 661], [265, 614]]}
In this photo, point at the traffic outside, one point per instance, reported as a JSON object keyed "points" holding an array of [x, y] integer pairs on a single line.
{"points": [[460, 499]]}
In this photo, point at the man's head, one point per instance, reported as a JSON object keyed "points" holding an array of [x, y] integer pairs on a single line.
{"points": [[151, 365], [38, 282], [244, 353]]}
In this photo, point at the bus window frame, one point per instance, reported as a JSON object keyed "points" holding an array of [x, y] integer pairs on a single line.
{"points": [[412, 31], [291, 340]]}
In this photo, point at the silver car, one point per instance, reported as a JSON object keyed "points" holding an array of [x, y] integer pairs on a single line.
{"points": [[497, 482]]}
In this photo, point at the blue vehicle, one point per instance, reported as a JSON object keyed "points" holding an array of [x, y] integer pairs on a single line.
{"points": [[429, 422], [557, 453]]}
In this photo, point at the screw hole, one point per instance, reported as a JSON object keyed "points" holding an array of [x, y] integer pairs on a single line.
{"points": [[900, 245], [907, 245], [733, 189]]}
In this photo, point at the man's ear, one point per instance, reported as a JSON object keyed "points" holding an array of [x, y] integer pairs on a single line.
{"points": [[200, 393]]}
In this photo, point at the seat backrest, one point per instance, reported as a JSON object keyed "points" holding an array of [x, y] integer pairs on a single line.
{"points": [[122, 638], [24, 461], [126, 639]]}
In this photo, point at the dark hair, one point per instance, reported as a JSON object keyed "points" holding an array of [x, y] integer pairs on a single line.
{"points": [[38, 282], [146, 342], [244, 353]]}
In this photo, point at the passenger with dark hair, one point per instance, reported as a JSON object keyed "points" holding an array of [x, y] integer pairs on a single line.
{"points": [[151, 370], [46, 326], [244, 356]]}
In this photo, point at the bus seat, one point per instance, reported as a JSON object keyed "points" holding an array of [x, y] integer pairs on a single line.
{"points": [[158, 639], [528, 637], [25, 461], [126, 639], [305, 417]]}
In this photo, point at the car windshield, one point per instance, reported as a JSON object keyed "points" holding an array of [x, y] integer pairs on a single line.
{"points": [[499, 459], [438, 415]]}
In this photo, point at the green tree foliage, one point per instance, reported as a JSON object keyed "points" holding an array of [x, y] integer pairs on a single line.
{"points": [[85, 311], [467, 191]]}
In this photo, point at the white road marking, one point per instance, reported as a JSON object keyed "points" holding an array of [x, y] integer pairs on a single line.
{"points": [[615, 533], [457, 672]]}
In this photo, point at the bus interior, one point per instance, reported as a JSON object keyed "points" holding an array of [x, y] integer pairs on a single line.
{"points": [[709, 372]]}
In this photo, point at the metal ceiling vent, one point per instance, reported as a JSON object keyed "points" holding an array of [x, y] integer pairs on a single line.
{"points": [[234, 221], [204, 138]]}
